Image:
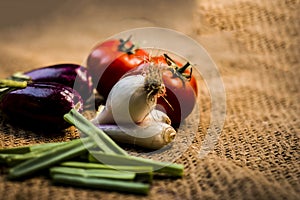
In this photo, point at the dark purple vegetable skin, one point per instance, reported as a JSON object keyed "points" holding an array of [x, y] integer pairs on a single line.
{"points": [[72, 75], [40, 105]]}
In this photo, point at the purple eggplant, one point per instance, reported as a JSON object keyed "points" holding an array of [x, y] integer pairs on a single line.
{"points": [[72, 75], [41, 105]]}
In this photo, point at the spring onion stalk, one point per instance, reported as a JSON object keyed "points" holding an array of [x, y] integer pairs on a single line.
{"points": [[30, 148], [143, 173], [98, 183], [11, 159], [103, 141], [88, 165], [172, 169], [51, 157], [96, 173], [14, 159]]}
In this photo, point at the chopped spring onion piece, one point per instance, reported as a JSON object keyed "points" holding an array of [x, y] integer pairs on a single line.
{"points": [[30, 148], [116, 185], [103, 141], [35, 151], [87, 165], [96, 173], [143, 173], [162, 167], [51, 157]]}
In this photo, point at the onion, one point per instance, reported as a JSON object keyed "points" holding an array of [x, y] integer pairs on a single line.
{"points": [[132, 98], [129, 115]]}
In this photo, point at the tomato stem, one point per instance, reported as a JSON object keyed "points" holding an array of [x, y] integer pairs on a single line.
{"points": [[169, 60], [122, 47], [179, 72], [183, 68]]}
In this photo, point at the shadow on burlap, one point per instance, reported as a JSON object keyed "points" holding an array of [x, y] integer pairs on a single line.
{"points": [[256, 48]]}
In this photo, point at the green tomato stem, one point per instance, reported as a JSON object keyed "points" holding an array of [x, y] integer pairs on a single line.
{"points": [[122, 48], [179, 72]]}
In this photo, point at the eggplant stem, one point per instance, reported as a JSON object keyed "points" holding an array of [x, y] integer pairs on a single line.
{"points": [[12, 84], [8, 85], [19, 76]]}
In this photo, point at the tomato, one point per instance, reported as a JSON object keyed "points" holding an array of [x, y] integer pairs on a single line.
{"points": [[181, 89], [110, 60], [180, 97]]}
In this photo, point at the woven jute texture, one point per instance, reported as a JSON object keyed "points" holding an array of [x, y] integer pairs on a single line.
{"points": [[255, 45]]}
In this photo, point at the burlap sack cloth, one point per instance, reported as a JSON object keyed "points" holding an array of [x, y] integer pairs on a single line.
{"points": [[256, 48]]}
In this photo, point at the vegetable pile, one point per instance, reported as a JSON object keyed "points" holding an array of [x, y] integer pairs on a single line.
{"points": [[118, 171], [145, 100]]}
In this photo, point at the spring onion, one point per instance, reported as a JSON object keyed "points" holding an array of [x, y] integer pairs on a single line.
{"points": [[103, 141], [171, 169], [51, 157], [98, 183], [96, 173], [143, 173]]}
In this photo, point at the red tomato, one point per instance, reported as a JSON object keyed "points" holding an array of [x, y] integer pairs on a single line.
{"points": [[110, 60], [180, 97], [181, 90]]}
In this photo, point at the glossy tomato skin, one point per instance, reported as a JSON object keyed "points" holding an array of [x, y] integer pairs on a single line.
{"points": [[179, 100], [107, 63], [181, 93]]}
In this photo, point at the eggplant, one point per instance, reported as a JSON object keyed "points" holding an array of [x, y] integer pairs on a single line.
{"points": [[72, 75], [41, 105]]}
